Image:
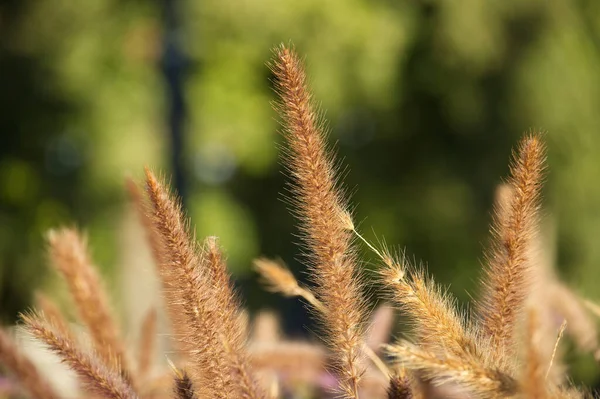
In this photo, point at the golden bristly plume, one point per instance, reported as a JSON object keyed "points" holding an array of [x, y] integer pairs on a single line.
{"points": [[508, 262], [97, 377], [22, 368], [482, 381], [69, 255], [437, 323], [317, 200], [200, 302]]}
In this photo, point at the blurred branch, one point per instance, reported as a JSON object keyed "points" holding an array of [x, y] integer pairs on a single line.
{"points": [[173, 66]]}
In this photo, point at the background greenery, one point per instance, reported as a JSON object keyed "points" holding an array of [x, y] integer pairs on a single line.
{"points": [[424, 99]]}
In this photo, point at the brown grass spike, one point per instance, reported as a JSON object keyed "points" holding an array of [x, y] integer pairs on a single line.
{"points": [[437, 324], [484, 382], [69, 255], [232, 329], [97, 378], [278, 278], [506, 275], [200, 303], [26, 372], [320, 205], [191, 316]]}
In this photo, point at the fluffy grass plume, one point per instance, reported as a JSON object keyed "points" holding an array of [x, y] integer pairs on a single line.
{"points": [[201, 303], [508, 262], [319, 204], [186, 302], [70, 256], [436, 321], [484, 382], [23, 369], [99, 378]]}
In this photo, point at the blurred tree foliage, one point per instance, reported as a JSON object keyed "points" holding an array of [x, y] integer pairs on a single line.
{"points": [[79, 106], [424, 98]]}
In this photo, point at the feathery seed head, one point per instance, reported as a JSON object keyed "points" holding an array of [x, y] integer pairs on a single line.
{"points": [[276, 276], [69, 255], [104, 379], [22, 367], [319, 203], [507, 272]]}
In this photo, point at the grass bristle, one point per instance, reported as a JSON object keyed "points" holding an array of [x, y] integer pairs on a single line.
{"points": [[507, 273], [70, 256], [23, 368], [318, 204], [98, 377], [201, 302]]}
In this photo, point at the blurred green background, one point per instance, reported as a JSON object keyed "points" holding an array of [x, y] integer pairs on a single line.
{"points": [[424, 99]]}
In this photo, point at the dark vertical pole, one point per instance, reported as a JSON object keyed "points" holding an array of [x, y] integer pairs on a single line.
{"points": [[173, 65]]}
